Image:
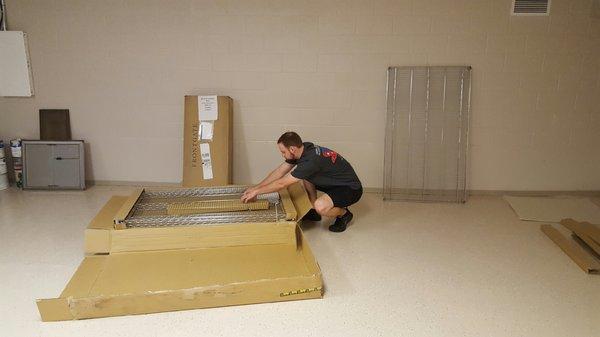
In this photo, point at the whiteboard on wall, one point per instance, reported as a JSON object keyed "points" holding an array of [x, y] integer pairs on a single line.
{"points": [[15, 70]]}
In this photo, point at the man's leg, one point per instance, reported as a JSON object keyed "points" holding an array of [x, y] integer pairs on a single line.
{"points": [[312, 215], [324, 206], [311, 190]]}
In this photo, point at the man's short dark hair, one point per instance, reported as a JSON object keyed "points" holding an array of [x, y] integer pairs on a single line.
{"points": [[290, 138]]}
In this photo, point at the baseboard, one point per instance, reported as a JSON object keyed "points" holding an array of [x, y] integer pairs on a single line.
{"points": [[377, 190], [90, 183], [533, 193]]}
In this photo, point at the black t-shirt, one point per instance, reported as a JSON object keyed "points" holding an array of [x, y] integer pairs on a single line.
{"points": [[324, 168]]}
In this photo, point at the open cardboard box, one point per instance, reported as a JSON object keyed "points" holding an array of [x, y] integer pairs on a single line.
{"points": [[106, 235], [203, 268]]}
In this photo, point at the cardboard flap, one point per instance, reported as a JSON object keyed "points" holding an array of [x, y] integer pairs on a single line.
{"points": [[97, 233], [54, 309], [300, 199], [80, 285], [155, 281], [125, 209], [288, 205], [105, 218]]}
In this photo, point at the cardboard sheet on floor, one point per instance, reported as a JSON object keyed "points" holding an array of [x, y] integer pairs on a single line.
{"points": [[554, 209], [157, 281]]}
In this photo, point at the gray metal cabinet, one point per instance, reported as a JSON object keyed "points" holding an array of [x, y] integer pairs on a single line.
{"points": [[53, 164]]}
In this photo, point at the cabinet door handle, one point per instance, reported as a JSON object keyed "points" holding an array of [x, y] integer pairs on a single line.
{"points": [[58, 158]]}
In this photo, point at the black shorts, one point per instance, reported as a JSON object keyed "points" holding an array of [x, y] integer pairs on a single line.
{"points": [[342, 196]]}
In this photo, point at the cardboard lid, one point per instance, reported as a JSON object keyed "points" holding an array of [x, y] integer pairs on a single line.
{"points": [[300, 199], [154, 281]]}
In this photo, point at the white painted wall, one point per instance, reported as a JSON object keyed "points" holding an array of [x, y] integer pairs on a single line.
{"points": [[317, 67]]}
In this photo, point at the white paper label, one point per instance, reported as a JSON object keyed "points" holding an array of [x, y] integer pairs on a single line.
{"points": [[207, 172], [208, 108], [206, 130]]}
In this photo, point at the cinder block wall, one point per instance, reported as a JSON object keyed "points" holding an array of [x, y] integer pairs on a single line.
{"points": [[317, 67]]}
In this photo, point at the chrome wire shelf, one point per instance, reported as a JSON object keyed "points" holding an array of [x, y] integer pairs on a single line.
{"points": [[150, 210]]}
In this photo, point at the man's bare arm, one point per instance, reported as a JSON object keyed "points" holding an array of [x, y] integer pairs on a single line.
{"points": [[281, 183], [277, 173]]}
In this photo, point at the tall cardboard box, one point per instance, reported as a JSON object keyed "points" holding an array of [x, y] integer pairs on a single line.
{"points": [[208, 141]]}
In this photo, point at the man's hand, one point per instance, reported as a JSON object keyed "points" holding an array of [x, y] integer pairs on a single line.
{"points": [[249, 195]]}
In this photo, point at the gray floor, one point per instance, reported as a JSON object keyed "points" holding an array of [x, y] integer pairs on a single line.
{"points": [[401, 269]]}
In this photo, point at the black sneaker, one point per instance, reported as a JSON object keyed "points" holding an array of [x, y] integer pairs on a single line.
{"points": [[342, 222], [312, 215]]}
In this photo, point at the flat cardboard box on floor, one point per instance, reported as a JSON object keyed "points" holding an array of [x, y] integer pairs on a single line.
{"points": [[168, 269], [221, 145], [156, 281]]}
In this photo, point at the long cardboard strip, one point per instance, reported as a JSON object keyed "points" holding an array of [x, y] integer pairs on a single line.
{"points": [[584, 228], [577, 254], [593, 245], [212, 206]]}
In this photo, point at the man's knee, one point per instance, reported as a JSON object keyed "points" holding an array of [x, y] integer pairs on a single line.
{"points": [[322, 206]]}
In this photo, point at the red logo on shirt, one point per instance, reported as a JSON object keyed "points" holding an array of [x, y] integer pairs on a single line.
{"points": [[325, 152]]}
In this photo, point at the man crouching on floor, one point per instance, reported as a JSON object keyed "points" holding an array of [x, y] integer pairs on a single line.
{"points": [[320, 169]]}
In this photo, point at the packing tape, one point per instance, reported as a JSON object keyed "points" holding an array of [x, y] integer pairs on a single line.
{"points": [[300, 291]]}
